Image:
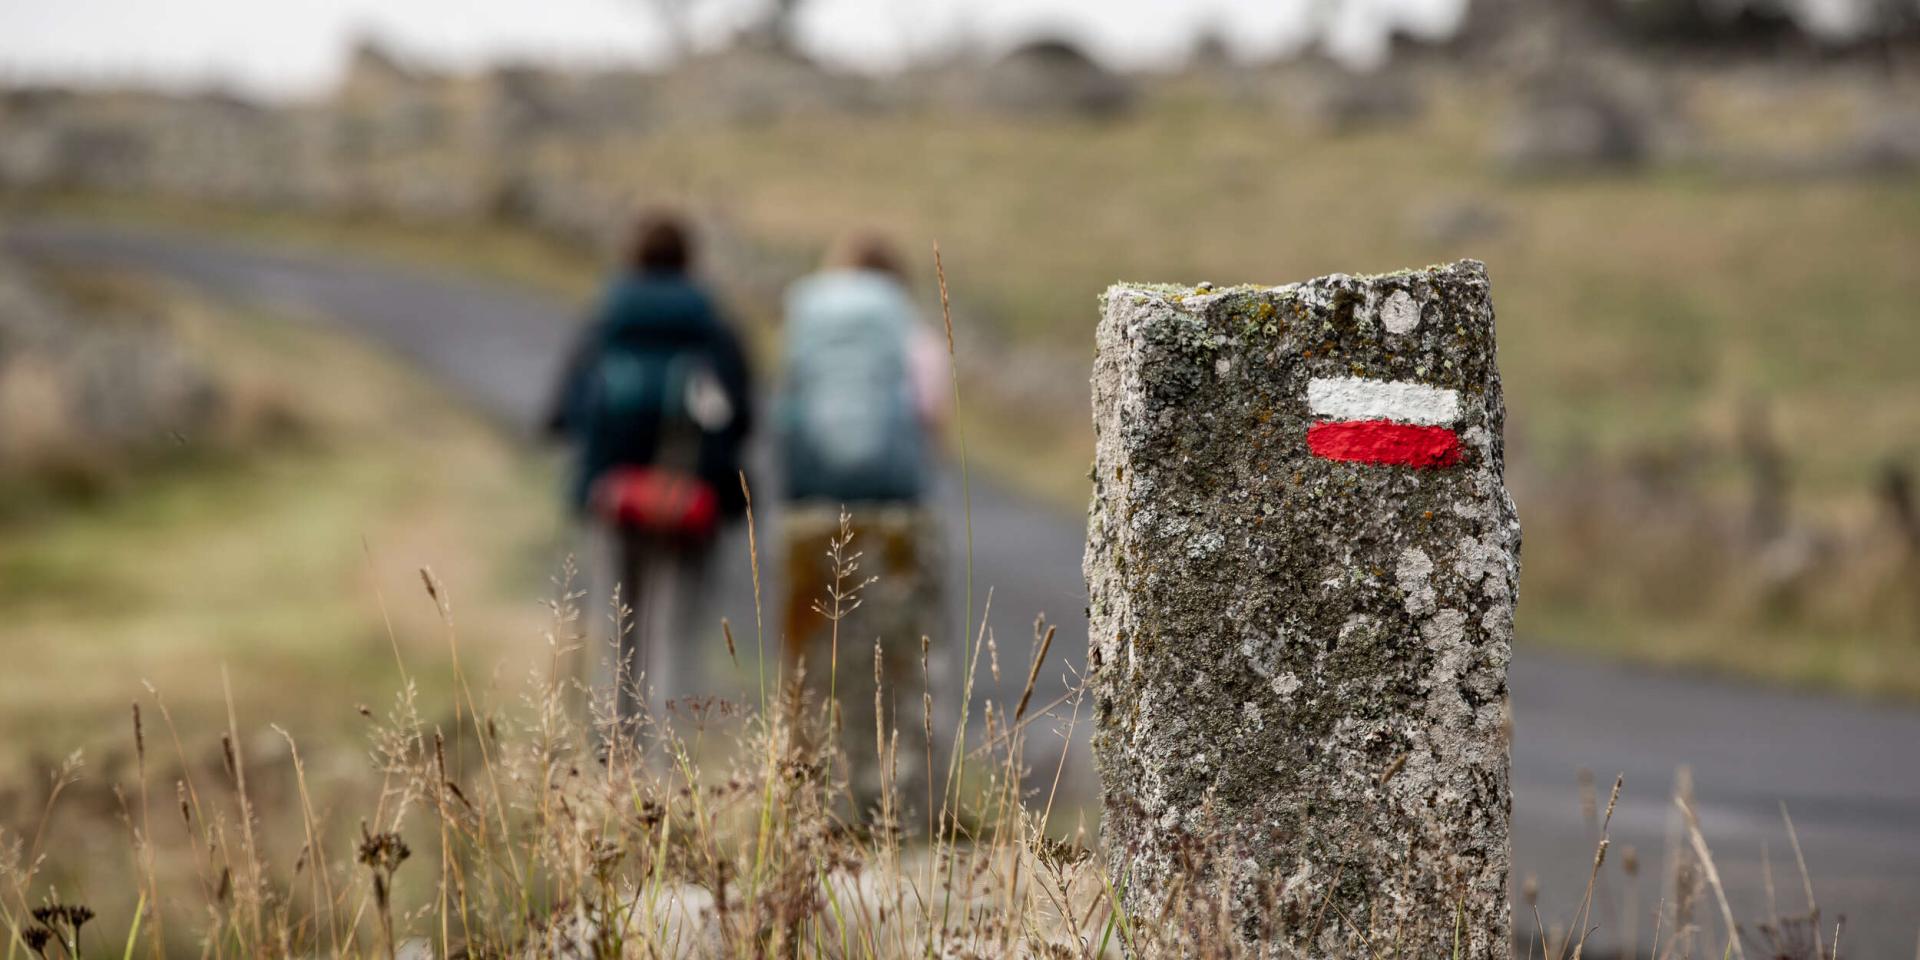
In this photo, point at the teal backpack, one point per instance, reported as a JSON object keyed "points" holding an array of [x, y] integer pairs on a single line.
{"points": [[849, 427], [649, 406]]}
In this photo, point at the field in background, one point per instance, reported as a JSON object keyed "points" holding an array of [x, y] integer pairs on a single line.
{"points": [[1661, 331], [1709, 372], [1635, 308]]}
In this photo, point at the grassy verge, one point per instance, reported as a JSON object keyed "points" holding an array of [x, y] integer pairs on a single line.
{"points": [[520, 828], [501, 252], [270, 560]]}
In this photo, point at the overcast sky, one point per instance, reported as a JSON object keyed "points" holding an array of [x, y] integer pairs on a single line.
{"points": [[291, 47]]}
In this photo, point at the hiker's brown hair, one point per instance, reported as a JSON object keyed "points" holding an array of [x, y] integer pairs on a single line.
{"points": [[661, 243], [868, 250]]}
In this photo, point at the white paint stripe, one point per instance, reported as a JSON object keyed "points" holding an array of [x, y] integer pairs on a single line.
{"points": [[1402, 401]]}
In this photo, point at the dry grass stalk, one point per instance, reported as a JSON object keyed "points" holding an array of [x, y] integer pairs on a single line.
{"points": [[1713, 876]]}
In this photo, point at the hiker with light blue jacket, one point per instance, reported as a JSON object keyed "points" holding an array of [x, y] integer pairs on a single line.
{"points": [[864, 385], [862, 402]]}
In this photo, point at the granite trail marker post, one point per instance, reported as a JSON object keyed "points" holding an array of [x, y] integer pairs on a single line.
{"points": [[1301, 562]]}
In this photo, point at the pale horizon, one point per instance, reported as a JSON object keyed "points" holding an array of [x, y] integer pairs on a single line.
{"points": [[299, 47]]}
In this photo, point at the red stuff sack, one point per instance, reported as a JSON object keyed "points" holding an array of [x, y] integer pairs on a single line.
{"points": [[656, 500]]}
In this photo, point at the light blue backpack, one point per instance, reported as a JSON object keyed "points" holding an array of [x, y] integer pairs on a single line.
{"points": [[849, 428]]}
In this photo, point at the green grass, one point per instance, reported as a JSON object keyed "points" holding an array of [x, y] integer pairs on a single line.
{"points": [[267, 558], [504, 253]]}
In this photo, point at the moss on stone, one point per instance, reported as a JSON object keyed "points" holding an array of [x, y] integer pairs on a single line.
{"points": [[1250, 612]]}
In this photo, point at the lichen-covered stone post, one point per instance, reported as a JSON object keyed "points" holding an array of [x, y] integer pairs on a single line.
{"points": [[1301, 561]]}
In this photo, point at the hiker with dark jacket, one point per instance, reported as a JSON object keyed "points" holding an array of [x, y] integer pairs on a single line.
{"points": [[656, 403]]}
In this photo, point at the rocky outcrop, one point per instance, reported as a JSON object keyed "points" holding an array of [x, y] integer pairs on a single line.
{"points": [[83, 393]]}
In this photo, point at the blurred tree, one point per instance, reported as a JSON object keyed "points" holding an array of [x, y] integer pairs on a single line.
{"points": [[1734, 23], [774, 27], [777, 27], [1755, 26], [1763, 24], [675, 18], [1210, 50]]}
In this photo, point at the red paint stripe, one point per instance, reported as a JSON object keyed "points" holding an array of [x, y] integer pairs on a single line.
{"points": [[1383, 441]]}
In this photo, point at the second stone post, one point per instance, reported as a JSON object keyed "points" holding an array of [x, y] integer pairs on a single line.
{"points": [[1301, 561]]}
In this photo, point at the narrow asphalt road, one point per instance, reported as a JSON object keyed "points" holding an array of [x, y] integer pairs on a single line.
{"points": [[1848, 772]]}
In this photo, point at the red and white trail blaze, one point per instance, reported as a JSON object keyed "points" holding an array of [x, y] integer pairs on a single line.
{"points": [[1394, 422]]}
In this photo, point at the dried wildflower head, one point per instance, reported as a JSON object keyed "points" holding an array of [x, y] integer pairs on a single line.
{"points": [[139, 735], [1060, 854], [36, 938], [58, 914], [384, 852], [63, 922]]}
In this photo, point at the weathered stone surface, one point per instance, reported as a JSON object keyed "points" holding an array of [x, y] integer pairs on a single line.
{"points": [[1299, 664]]}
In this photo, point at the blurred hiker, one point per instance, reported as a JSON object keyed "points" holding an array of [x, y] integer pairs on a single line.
{"points": [[863, 398], [656, 404]]}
